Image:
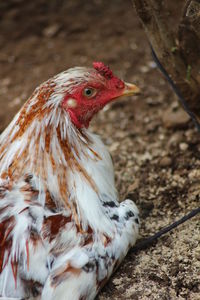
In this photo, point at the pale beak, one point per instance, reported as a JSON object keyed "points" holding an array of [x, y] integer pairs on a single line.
{"points": [[130, 89]]}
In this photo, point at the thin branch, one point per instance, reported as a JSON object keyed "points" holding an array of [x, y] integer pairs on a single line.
{"points": [[176, 90], [150, 240]]}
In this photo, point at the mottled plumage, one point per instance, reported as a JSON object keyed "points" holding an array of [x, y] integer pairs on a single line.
{"points": [[62, 229]]}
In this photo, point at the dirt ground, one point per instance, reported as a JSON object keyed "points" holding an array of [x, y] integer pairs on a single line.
{"points": [[155, 147]]}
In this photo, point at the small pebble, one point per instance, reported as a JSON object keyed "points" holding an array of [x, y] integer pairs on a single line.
{"points": [[144, 69], [175, 119], [114, 146], [165, 161], [51, 30], [183, 146]]}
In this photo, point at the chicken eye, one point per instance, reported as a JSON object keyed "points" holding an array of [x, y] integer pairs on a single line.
{"points": [[89, 92]]}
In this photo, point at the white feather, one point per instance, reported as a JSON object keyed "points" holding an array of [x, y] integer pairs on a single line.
{"points": [[96, 202]]}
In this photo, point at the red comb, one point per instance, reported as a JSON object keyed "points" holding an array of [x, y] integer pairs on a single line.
{"points": [[103, 70]]}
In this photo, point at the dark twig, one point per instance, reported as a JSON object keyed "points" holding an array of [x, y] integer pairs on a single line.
{"points": [[176, 89], [149, 241]]}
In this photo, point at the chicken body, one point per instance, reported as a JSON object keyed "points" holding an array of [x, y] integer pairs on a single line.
{"points": [[62, 228]]}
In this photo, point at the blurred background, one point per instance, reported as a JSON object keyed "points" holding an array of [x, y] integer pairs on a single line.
{"points": [[41, 38], [154, 145]]}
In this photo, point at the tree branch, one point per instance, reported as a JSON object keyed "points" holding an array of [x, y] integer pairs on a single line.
{"points": [[143, 244]]}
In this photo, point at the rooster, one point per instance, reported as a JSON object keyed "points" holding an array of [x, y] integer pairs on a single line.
{"points": [[62, 229]]}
